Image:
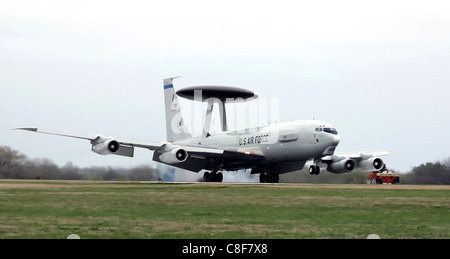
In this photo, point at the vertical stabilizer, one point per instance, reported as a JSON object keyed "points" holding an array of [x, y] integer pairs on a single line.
{"points": [[175, 127]]}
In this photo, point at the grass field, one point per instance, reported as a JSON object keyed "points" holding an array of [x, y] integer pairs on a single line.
{"points": [[56, 209]]}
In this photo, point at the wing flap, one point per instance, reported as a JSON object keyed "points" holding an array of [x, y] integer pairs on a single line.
{"points": [[152, 145]]}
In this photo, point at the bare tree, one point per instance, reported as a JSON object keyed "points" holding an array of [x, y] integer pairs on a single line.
{"points": [[9, 159]]}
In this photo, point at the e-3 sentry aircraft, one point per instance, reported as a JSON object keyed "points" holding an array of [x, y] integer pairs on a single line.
{"points": [[267, 150]]}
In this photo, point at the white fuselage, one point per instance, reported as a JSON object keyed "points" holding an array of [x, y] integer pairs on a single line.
{"points": [[281, 142]]}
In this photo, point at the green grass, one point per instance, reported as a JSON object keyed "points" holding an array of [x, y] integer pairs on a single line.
{"points": [[55, 209]]}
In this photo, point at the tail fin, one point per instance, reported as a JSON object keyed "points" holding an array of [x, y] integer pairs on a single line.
{"points": [[175, 128]]}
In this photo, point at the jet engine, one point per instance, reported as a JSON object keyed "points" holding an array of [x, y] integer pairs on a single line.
{"points": [[371, 164], [109, 146], [176, 155], [343, 166]]}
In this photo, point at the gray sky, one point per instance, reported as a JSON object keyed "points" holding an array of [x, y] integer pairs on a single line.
{"points": [[379, 71]]}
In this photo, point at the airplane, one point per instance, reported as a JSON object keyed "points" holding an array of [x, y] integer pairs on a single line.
{"points": [[268, 150]]}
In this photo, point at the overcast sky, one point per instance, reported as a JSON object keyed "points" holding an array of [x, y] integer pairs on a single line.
{"points": [[379, 71]]}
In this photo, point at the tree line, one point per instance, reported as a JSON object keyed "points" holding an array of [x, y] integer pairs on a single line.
{"points": [[429, 173], [15, 165]]}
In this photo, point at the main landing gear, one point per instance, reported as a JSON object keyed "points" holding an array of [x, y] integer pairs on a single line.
{"points": [[267, 177], [213, 177]]}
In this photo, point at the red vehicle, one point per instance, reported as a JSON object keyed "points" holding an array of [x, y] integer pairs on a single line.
{"points": [[383, 177]]}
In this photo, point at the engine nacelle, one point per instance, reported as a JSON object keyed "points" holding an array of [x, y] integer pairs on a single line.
{"points": [[343, 166], [371, 164], [109, 146], [105, 146], [176, 155]]}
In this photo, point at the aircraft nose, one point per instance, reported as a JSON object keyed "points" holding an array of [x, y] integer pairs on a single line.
{"points": [[336, 139]]}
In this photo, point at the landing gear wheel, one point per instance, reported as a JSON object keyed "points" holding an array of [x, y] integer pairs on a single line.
{"points": [[263, 177], [212, 177], [274, 178], [314, 170], [206, 177], [219, 177], [269, 177]]}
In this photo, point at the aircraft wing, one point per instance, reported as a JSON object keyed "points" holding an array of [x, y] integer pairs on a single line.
{"points": [[358, 155], [202, 157], [60, 133], [152, 145], [227, 153], [191, 157]]}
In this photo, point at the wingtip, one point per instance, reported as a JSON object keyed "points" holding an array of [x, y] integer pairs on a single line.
{"points": [[27, 129]]}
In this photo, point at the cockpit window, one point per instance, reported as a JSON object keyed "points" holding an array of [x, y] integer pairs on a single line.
{"points": [[331, 130]]}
